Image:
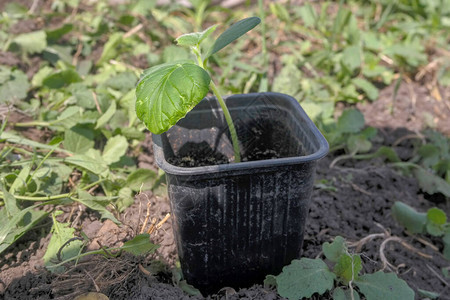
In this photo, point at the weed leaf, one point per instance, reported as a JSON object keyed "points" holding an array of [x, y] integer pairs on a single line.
{"points": [[304, 277], [114, 149], [188, 288], [270, 281], [61, 78], [16, 139], [78, 139], [348, 267], [13, 228], [13, 85], [409, 218], [434, 229], [125, 198], [235, 31], [367, 87], [110, 48], [109, 113], [431, 183], [437, 216], [144, 178], [95, 204], [32, 42], [341, 294], [56, 34], [86, 162], [61, 234], [334, 250], [428, 294], [446, 241], [351, 58], [351, 121], [381, 285], [166, 93], [139, 245]]}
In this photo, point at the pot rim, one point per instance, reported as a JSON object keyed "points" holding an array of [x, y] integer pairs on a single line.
{"points": [[248, 165]]}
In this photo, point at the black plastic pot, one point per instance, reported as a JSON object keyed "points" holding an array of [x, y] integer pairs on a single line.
{"points": [[235, 223]]}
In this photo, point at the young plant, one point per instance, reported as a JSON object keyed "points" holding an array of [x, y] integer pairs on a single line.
{"points": [[304, 277], [433, 222], [167, 92]]}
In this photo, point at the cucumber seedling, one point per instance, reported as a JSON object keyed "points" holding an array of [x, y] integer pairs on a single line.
{"points": [[167, 92]]}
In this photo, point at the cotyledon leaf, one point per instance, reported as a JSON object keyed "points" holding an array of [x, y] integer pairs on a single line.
{"points": [[167, 92], [234, 32]]}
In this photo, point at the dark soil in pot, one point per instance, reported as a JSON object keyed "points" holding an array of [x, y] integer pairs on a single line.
{"points": [[262, 146]]}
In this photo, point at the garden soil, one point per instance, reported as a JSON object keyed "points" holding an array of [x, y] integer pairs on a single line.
{"points": [[353, 199]]}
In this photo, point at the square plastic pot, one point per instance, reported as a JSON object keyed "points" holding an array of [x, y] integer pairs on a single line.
{"points": [[235, 223]]}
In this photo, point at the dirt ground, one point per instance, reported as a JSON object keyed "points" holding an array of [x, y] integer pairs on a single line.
{"points": [[416, 106], [355, 204]]}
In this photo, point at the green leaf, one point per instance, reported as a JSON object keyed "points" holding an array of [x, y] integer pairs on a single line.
{"points": [[351, 121], [61, 234], [428, 294], [143, 7], [139, 245], [334, 250], [348, 267], [351, 58], [11, 229], [114, 149], [358, 144], [369, 132], [430, 154], [89, 163], [188, 288], [39, 77], [341, 294], [195, 38], [98, 205], [32, 42], [110, 48], [166, 93], [141, 178], [437, 216], [431, 183], [308, 14], [270, 281], [125, 199], [446, 241], [387, 152], [381, 285], [51, 177], [234, 32], [434, 229], [78, 139], [19, 184], [280, 12], [61, 78], [368, 88], [109, 113], [15, 139], [11, 207], [409, 218], [14, 85], [56, 34], [304, 277]]}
